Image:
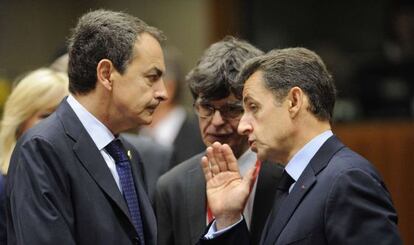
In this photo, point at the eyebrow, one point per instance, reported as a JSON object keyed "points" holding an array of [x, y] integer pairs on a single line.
{"points": [[246, 99]]}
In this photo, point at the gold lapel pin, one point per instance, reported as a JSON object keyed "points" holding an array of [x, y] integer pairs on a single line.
{"points": [[129, 155]]}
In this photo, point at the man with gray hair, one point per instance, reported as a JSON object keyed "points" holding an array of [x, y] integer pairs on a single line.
{"points": [[327, 194], [181, 205], [71, 179]]}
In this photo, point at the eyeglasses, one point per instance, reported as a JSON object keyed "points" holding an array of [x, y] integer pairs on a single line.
{"points": [[228, 111]]}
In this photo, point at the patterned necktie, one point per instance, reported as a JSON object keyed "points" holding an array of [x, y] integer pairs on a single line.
{"points": [[123, 167], [282, 191]]}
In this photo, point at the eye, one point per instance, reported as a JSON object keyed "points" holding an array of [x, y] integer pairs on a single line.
{"points": [[233, 111], [252, 107], [153, 77]]}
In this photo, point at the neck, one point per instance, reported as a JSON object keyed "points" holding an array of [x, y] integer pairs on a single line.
{"points": [[305, 134], [99, 110]]}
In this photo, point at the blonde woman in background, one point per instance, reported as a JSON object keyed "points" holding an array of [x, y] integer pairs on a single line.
{"points": [[34, 98]]}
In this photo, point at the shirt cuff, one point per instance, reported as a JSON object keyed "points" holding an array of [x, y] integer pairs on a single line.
{"points": [[213, 232]]}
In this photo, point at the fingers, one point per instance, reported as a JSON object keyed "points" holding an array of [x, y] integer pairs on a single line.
{"points": [[229, 158], [206, 168], [212, 161], [219, 158]]}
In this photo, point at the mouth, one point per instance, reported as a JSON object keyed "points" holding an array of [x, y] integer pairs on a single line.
{"points": [[253, 145], [151, 108], [222, 138]]}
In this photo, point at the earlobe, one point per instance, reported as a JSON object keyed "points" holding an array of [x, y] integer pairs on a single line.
{"points": [[104, 72]]}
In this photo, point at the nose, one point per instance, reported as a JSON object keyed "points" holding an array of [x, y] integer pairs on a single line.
{"points": [[160, 92], [245, 126], [217, 119]]}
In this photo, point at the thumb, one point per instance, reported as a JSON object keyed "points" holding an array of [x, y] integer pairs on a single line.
{"points": [[249, 179]]}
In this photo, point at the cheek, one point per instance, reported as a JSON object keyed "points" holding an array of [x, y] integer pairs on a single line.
{"points": [[203, 125]]}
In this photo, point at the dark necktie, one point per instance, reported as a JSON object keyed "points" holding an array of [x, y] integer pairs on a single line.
{"points": [[282, 191], [123, 167]]}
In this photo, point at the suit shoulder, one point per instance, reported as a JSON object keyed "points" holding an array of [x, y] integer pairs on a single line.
{"points": [[348, 159], [192, 164], [49, 129]]}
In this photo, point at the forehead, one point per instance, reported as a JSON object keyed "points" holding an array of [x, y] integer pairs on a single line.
{"points": [[148, 52], [231, 99], [254, 86]]}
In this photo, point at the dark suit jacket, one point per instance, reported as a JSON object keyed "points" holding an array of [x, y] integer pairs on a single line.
{"points": [[181, 202], [60, 190], [3, 234], [338, 199], [188, 141], [156, 160]]}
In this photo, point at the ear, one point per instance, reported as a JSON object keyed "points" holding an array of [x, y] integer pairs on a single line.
{"points": [[295, 99], [103, 73]]}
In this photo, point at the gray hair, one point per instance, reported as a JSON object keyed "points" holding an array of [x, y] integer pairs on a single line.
{"points": [[217, 69], [103, 34], [284, 69]]}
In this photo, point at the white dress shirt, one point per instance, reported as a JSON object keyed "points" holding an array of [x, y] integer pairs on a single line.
{"points": [[301, 159], [99, 133]]}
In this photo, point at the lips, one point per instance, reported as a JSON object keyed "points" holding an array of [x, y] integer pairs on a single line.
{"points": [[253, 145], [218, 137], [153, 106]]}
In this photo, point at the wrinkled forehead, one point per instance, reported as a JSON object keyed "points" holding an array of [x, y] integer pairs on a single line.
{"points": [[229, 100]]}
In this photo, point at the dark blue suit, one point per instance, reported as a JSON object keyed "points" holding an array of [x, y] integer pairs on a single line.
{"points": [[3, 234], [339, 199], [60, 190]]}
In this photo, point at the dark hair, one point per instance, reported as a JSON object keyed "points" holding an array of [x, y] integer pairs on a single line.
{"points": [[103, 34], [286, 68], [217, 69]]}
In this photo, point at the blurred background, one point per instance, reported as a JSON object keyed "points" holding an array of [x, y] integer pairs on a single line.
{"points": [[367, 45]]}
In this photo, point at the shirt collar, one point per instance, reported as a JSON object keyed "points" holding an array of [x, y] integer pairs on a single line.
{"points": [[302, 158], [99, 133]]}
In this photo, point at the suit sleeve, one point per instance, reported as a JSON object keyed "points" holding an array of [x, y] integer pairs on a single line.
{"points": [[39, 200], [163, 213], [360, 211]]}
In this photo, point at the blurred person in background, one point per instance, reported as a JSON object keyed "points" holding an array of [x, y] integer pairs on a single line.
{"points": [[34, 98]]}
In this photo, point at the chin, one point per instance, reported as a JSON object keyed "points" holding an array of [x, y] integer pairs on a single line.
{"points": [[144, 120]]}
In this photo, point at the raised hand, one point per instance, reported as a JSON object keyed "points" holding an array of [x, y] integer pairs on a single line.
{"points": [[227, 191]]}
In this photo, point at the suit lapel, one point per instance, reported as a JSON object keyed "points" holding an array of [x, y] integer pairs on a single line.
{"points": [[267, 182], [195, 201], [302, 187], [288, 207], [89, 156], [147, 213]]}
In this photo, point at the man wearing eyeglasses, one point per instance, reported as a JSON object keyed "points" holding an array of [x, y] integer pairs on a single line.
{"points": [[181, 206]]}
